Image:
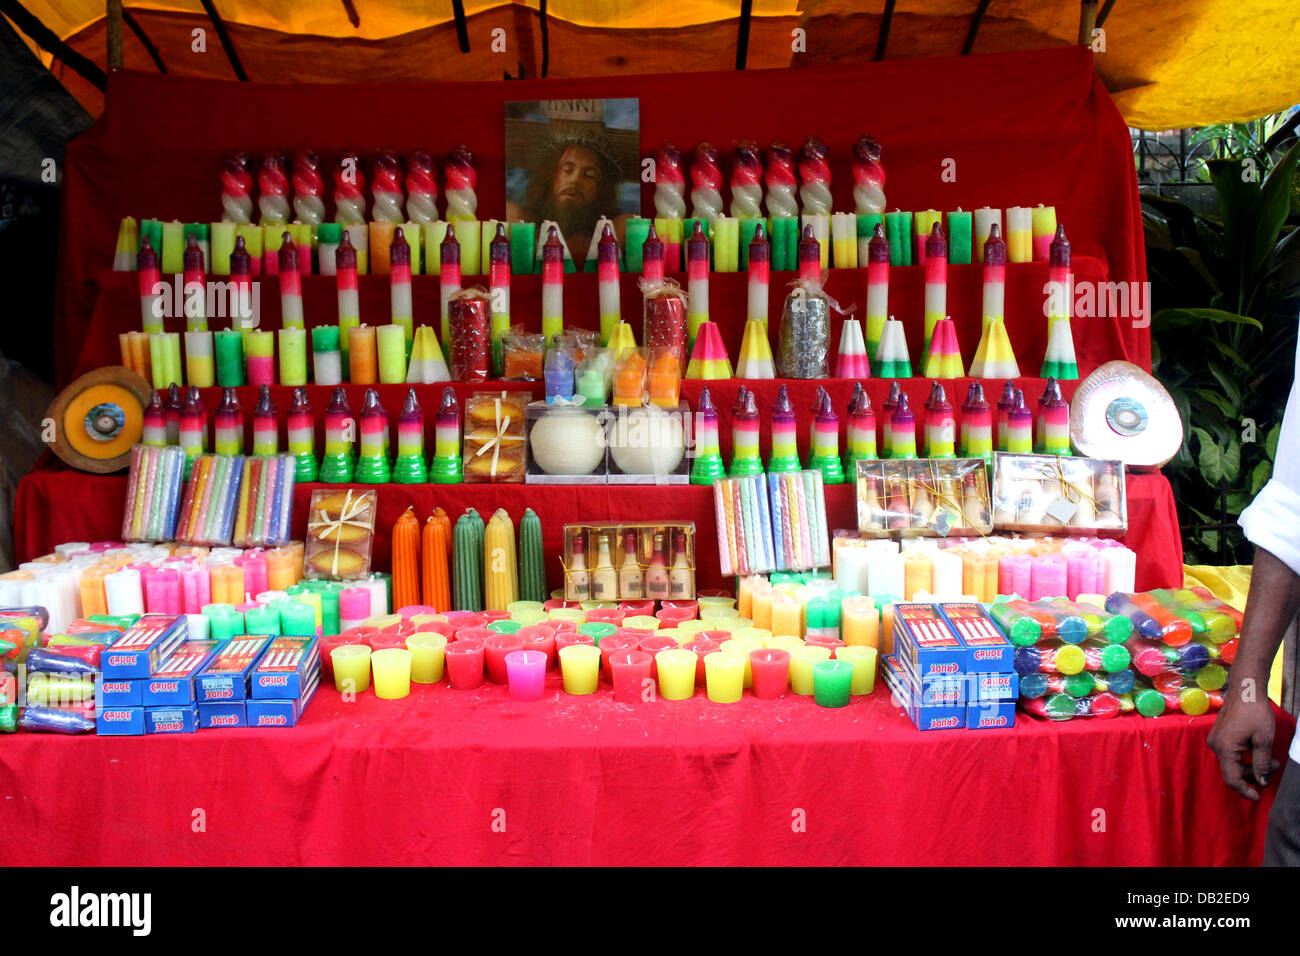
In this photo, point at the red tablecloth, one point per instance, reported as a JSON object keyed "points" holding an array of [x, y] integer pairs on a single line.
{"points": [[471, 777], [59, 505]]}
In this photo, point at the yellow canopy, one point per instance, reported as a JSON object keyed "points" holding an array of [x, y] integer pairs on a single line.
{"points": [[1167, 64]]}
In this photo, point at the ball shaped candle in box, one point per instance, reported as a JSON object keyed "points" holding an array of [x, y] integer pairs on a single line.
{"points": [[567, 442], [648, 441]]}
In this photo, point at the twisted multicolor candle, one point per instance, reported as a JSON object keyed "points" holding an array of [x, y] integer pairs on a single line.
{"points": [[237, 189], [781, 182], [349, 191], [462, 200], [746, 181], [670, 184], [386, 189], [273, 186], [300, 428], [877, 291], [868, 177], [706, 183], [940, 426], [308, 188], [421, 188], [815, 178]]}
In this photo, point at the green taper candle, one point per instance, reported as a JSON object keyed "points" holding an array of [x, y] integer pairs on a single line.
{"points": [[898, 230], [959, 237], [636, 231]]}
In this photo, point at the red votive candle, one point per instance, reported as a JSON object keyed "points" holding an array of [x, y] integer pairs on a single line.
{"points": [[612, 644], [328, 644], [565, 638], [461, 618], [637, 632], [606, 615], [630, 670], [693, 605], [435, 627], [717, 637], [675, 615], [490, 616], [391, 636], [464, 663], [771, 669], [633, 608], [652, 645], [474, 633], [823, 640], [701, 647], [541, 639], [555, 604], [413, 609], [495, 649]]}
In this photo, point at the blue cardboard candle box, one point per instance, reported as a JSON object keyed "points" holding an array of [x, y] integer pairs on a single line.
{"points": [[225, 676], [120, 722], [173, 683], [266, 712], [230, 714], [906, 694], [282, 672], [990, 714], [925, 642], [118, 693], [145, 645], [171, 720], [989, 650]]}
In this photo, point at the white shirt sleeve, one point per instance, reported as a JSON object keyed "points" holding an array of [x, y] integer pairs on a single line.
{"points": [[1272, 521]]}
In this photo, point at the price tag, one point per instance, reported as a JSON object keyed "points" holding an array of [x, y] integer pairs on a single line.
{"points": [[1061, 510]]}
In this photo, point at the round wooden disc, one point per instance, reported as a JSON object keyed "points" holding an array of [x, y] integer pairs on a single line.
{"points": [[98, 418]]}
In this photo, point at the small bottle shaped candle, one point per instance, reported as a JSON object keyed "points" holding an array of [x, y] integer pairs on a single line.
{"points": [[1020, 427], [499, 293], [824, 453], [372, 455], [409, 468], [745, 459], [291, 315], [446, 466], [810, 256], [936, 281], [657, 586], [652, 258], [887, 416], [681, 576], [195, 287], [785, 440], [1053, 433], [345, 279], [861, 431], [902, 430], [976, 424], [611, 313], [877, 292], [340, 433], [697, 281], [708, 455], [192, 428], [399, 284], [173, 402], [146, 264], [577, 579], [301, 431], [1005, 404], [448, 283], [604, 579], [631, 582], [154, 424], [266, 424], [552, 285], [759, 276], [940, 426], [228, 425]]}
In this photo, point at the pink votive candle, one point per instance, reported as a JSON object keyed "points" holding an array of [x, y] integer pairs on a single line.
{"points": [[631, 669], [464, 662], [771, 669], [526, 672], [490, 616], [495, 649], [824, 640], [435, 627], [606, 615]]}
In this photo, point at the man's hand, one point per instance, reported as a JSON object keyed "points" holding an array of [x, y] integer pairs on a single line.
{"points": [[1244, 727]]}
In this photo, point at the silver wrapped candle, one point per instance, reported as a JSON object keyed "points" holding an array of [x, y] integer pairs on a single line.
{"points": [[803, 347]]}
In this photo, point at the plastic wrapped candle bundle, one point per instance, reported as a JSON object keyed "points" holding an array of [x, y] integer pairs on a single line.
{"points": [[746, 181], [211, 498], [265, 505], [744, 523], [523, 355], [664, 323], [462, 180], [803, 348], [153, 493]]}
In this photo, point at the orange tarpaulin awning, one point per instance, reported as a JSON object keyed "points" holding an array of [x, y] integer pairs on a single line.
{"points": [[1167, 65]]}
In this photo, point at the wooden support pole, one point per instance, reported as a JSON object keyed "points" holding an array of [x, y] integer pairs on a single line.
{"points": [[114, 17], [1087, 21]]}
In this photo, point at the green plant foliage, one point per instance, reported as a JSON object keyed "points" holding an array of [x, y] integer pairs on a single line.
{"points": [[1226, 294]]}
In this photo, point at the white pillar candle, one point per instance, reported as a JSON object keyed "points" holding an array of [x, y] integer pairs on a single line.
{"points": [[885, 575], [196, 627], [946, 575], [123, 592], [1121, 569], [984, 218], [851, 567]]}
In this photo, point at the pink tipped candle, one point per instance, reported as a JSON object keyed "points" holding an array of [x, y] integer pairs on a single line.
{"points": [[410, 428], [995, 272], [448, 280], [446, 426], [399, 284], [1020, 426], [265, 424], [1053, 433], [940, 427], [291, 316], [902, 430], [810, 256], [759, 274], [191, 426], [826, 429], [785, 439], [300, 425], [195, 286], [976, 424], [611, 312], [652, 257], [1058, 276], [861, 426], [887, 415], [154, 426], [852, 362], [697, 280], [936, 281], [877, 289], [552, 286], [228, 425], [373, 427], [338, 425], [744, 429], [146, 264]]}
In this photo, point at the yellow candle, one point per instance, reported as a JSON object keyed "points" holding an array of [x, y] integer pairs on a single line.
{"points": [[715, 600], [645, 622], [887, 629], [676, 674], [742, 646], [427, 657], [383, 620], [761, 611], [528, 618], [313, 598], [712, 612], [784, 642], [598, 605], [500, 567], [575, 614], [724, 675], [787, 615], [860, 622], [690, 628], [392, 670], [916, 573], [761, 633], [744, 603], [864, 667], [419, 619], [580, 668], [518, 607], [801, 671], [351, 668], [672, 632]]}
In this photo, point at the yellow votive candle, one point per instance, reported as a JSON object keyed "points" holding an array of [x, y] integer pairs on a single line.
{"points": [[787, 615], [860, 622], [724, 676], [427, 657], [392, 670], [580, 668], [801, 670], [864, 666], [351, 668], [676, 674]]}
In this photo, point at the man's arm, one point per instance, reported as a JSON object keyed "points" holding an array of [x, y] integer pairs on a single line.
{"points": [[1246, 721]]}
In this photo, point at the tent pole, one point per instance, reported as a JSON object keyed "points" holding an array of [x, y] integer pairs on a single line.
{"points": [[742, 41], [1105, 12], [152, 50], [886, 20], [976, 19], [1087, 21], [219, 25], [46, 39], [113, 15]]}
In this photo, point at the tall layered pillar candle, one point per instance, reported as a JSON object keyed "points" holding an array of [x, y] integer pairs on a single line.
{"points": [[758, 268], [449, 282], [1043, 227], [877, 262], [1020, 233], [195, 287], [401, 309], [349, 301], [936, 279], [697, 281], [291, 314]]}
